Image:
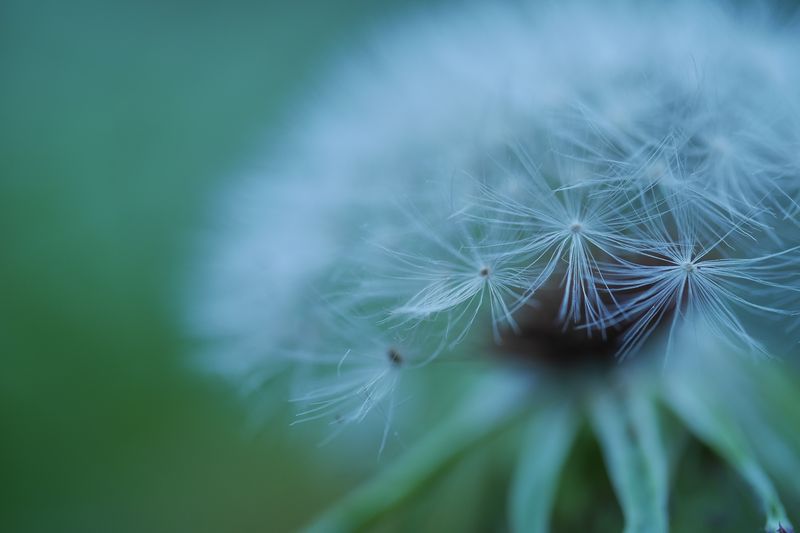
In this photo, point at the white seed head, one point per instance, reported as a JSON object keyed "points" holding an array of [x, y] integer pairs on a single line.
{"points": [[635, 157]]}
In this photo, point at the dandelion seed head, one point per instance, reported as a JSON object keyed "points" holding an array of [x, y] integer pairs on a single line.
{"points": [[571, 186]]}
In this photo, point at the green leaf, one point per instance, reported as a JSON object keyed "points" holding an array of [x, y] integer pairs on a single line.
{"points": [[544, 452], [545, 449], [718, 430], [628, 428], [763, 398], [491, 408]]}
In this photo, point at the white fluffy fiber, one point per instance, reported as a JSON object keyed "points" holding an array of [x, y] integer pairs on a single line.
{"points": [[435, 95]]}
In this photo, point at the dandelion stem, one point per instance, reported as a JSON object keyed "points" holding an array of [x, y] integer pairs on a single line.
{"points": [[493, 405], [544, 451], [636, 457], [722, 434]]}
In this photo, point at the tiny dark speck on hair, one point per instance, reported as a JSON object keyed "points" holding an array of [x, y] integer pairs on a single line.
{"points": [[394, 357]]}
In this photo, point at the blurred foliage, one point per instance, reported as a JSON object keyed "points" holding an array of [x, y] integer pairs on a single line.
{"points": [[119, 120]]}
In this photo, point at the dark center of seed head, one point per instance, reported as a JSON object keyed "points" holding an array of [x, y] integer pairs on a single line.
{"points": [[484, 272], [544, 342]]}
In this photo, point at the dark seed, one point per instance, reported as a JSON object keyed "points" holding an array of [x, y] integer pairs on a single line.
{"points": [[394, 357]]}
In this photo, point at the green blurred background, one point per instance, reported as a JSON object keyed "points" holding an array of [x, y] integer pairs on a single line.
{"points": [[120, 120]]}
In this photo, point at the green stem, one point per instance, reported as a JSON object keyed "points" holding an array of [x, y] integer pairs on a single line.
{"points": [[629, 431], [722, 434], [544, 451], [492, 406]]}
